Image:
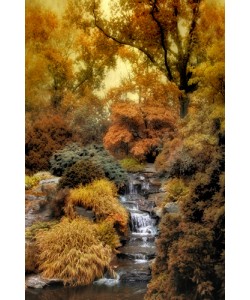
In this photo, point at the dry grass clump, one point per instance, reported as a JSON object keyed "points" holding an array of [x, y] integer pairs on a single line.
{"points": [[101, 197], [71, 251], [107, 234]]}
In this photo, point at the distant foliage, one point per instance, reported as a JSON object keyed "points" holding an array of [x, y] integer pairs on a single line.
{"points": [[132, 165], [82, 172], [72, 252], [65, 158], [43, 137], [101, 197], [138, 130]]}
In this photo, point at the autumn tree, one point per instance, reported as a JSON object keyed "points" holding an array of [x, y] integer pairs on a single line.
{"points": [[190, 261], [138, 130], [166, 32], [64, 55]]}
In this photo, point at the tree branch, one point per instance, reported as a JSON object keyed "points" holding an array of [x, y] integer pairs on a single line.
{"points": [[126, 43], [163, 40]]}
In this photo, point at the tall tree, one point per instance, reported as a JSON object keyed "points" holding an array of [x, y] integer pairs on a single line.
{"points": [[64, 54], [164, 31]]}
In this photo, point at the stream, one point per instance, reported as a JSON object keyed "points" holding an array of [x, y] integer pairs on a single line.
{"points": [[134, 257]]}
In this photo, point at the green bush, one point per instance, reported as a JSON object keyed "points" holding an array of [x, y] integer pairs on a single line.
{"points": [[82, 172], [65, 158], [132, 165]]}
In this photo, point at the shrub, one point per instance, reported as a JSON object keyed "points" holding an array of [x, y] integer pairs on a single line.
{"points": [[101, 197], [31, 250], [82, 172], [65, 158], [30, 232], [132, 165], [107, 234], [70, 251], [176, 189], [31, 181], [43, 137]]}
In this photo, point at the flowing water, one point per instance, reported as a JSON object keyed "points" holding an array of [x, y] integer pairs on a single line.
{"points": [[133, 261]]}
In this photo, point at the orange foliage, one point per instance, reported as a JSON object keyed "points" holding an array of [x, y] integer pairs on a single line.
{"points": [[43, 137], [138, 129]]}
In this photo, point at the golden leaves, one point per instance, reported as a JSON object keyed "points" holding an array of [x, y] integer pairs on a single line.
{"points": [[71, 251], [100, 197]]}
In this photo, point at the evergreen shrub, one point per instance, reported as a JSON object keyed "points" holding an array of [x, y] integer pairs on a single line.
{"points": [[65, 158], [82, 172]]}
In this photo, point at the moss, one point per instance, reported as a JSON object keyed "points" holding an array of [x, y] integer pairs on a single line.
{"points": [[132, 165]]}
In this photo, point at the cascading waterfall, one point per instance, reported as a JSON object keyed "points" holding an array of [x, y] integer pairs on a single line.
{"points": [[142, 223], [135, 256]]}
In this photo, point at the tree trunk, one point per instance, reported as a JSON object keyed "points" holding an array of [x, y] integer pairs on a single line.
{"points": [[184, 103]]}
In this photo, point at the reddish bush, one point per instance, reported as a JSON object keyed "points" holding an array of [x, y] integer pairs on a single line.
{"points": [[46, 135]]}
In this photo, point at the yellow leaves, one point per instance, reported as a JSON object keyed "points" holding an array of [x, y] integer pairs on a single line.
{"points": [[176, 190], [100, 196], [39, 23], [73, 252]]}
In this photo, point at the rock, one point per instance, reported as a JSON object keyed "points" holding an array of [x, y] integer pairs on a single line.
{"points": [[136, 276], [34, 197], [158, 211], [155, 181], [157, 198], [81, 211], [145, 205], [37, 282], [149, 168], [54, 180], [171, 207]]}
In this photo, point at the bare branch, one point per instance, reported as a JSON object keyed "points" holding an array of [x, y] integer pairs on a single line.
{"points": [[163, 40]]}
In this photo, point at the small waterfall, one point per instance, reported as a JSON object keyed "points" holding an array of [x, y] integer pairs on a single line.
{"points": [[135, 256], [142, 223]]}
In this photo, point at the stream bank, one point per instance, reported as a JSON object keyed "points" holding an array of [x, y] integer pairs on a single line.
{"points": [[132, 264]]}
